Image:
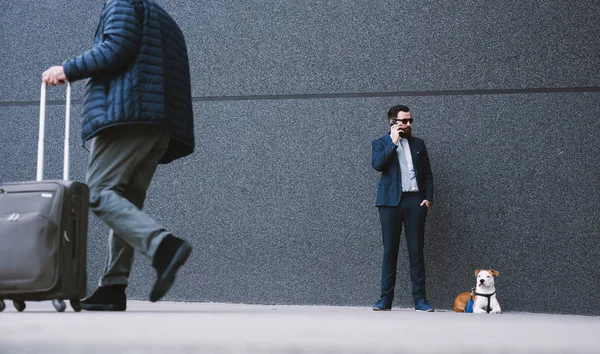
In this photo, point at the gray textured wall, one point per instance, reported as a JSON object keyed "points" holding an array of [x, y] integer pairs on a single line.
{"points": [[279, 198]]}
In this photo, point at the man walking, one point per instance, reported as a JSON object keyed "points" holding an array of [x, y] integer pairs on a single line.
{"points": [[404, 196], [137, 112]]}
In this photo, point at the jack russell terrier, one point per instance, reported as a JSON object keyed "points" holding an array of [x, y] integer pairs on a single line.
{"points": [[483, 295]]}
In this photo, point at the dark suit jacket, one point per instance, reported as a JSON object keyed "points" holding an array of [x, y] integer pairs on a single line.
{"points": [[385, 160]]}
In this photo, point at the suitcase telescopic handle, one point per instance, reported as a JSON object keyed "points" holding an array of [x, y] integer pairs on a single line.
{"points": [[40, 157]]}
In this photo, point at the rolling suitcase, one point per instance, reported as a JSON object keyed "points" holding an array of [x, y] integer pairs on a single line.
{"points": [[43, 233]]}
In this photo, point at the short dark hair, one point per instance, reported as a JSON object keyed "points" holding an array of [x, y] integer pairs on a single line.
{"points": [[393, 111]]}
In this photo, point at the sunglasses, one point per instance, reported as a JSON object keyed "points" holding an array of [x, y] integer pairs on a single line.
{"points": [[403, 121]]}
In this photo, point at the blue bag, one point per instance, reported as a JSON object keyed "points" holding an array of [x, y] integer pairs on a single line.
{"points": [[469, 306], [470, 302]]}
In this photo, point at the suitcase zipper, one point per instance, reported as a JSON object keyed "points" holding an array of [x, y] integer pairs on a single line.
{"points": [[44, 194]]}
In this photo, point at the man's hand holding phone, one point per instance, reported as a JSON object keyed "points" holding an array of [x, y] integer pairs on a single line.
{"points": [[396, 132]]}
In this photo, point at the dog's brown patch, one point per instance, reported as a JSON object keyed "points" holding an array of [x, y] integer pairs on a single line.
{"points": [[494, 273], [461, 301]]}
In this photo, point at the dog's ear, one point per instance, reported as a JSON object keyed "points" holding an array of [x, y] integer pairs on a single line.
{"points": [[477, 272], [493, 272]]}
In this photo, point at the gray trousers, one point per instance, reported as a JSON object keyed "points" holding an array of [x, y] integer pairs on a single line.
{"points": [[122, 163]]}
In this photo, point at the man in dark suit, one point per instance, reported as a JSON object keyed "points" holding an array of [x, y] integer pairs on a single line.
{"points": [[404, 196]]}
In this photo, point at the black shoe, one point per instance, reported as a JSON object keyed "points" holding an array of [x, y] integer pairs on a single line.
{"points": [[106, 298], [170, 256]]}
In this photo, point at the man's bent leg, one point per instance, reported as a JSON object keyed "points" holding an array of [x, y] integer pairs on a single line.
{"points": [[121, 254], [116, 156]]}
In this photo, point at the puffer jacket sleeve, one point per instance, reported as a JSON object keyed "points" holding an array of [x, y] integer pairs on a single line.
{"points": [[121, 37]]}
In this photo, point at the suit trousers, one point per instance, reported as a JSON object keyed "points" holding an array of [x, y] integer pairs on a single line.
{"points": [[123, 161], [410, 214]]}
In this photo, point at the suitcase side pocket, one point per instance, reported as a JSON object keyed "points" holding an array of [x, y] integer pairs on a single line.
{"points": [[28, 253]]}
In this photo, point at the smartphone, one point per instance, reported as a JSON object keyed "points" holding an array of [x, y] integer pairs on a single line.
{"points": [[402, 134]]}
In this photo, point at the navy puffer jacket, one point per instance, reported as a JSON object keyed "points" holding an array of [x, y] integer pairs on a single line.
{"points": [[139, 74]]}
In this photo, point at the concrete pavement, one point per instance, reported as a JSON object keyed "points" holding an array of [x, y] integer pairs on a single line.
{"points": [[168, 327]]}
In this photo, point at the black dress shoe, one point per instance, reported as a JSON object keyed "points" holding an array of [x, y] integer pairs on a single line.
{"points": [[171, 254], [106, 298]]}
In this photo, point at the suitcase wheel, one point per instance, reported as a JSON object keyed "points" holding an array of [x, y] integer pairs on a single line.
{"points": [[59, 305], [19, 305], [2, 305], [76, 305]]}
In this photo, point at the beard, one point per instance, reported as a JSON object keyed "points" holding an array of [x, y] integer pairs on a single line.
{"points": [[407, 133]]}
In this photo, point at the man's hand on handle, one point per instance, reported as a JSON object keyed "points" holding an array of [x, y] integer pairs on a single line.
{"points": [[55, 75]]}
